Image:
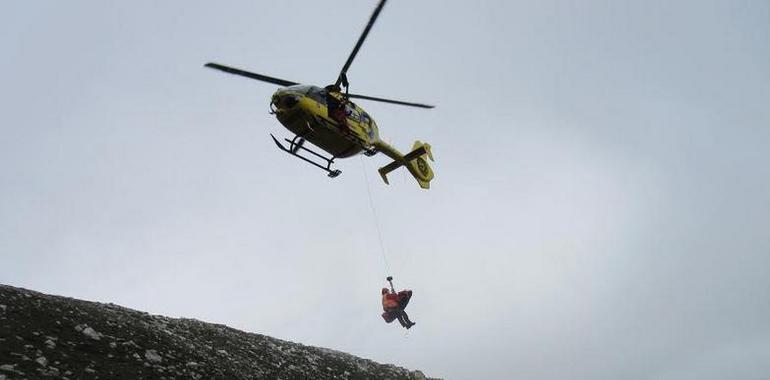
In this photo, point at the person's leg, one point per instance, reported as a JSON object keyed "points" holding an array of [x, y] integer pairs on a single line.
{"points": [[403, 321], [340, 117], [405, 316]]}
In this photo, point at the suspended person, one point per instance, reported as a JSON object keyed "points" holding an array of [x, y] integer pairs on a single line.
{"points": [[394, 304]]}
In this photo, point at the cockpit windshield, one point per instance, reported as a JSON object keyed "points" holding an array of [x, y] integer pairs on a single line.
{"points": [[300, 88], [317, 93]]}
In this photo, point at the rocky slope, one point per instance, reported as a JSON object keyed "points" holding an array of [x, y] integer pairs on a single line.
{"points": [[44, 336]]}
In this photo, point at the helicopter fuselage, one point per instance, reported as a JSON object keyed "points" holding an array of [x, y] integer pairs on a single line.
{"points": [[306, 112], [326, 118]]}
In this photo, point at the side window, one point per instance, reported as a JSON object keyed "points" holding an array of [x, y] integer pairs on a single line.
{"points": [[350, 110], [368, 124]]}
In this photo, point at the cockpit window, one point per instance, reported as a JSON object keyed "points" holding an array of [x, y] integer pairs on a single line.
{"points": [[317, 93], [301, 88]]}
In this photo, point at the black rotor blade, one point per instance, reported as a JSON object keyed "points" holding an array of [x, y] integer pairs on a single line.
{"points": [[264, 78], [354, 96], [360, 42]]}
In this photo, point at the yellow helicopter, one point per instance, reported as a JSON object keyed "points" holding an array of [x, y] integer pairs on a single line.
{"points": [[327, 118]]}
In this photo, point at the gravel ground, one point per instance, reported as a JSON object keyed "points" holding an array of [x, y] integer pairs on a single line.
{"points": [[44, 336]]}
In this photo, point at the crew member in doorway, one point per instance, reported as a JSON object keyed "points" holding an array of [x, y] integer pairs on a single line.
{"points": [[336, 107]]}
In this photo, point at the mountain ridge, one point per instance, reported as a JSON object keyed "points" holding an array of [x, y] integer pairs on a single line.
{"points": [[48, 336]]}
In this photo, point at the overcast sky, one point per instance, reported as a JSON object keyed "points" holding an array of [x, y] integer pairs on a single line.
{"points": [[601, 206]]}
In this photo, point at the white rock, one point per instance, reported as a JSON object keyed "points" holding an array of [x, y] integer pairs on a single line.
{"points": [[153, 356], [50, 344], [42, 361], [8, 367], [91, 333]]}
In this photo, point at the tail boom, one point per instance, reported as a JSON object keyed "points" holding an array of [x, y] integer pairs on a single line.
{"points": [[415, 162]]}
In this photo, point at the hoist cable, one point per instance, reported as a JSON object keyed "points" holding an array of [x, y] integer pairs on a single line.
{"points": [[376, 221]]}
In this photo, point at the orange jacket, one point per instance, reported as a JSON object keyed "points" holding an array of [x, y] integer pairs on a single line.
{"points": [[389, 300]]}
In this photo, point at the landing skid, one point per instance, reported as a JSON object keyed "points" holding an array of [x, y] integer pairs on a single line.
{"points": [[296, 145]]}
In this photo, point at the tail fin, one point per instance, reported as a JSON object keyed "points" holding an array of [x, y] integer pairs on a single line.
{"points": [[415, 162]]}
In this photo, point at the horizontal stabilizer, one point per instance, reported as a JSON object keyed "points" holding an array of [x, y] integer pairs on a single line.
{"points": [[416, 164], [389, 168]]}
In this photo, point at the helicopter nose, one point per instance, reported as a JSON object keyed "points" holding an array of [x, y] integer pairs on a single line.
{"points": [[284, 100]]}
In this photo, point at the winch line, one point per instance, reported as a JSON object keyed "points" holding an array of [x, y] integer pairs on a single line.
{"points": [[376, 220]]}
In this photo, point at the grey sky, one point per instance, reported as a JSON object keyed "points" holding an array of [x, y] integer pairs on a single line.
{"points": [[601, 207]]}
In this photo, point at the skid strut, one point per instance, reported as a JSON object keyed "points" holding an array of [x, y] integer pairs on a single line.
{"points": [[297, 144]]}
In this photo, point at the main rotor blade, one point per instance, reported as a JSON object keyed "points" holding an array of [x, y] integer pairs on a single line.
{"points": [[389, 101], [264, 78], [360, 42]]}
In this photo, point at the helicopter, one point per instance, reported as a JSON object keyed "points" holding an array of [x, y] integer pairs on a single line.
{"points": [[327, 118]]}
